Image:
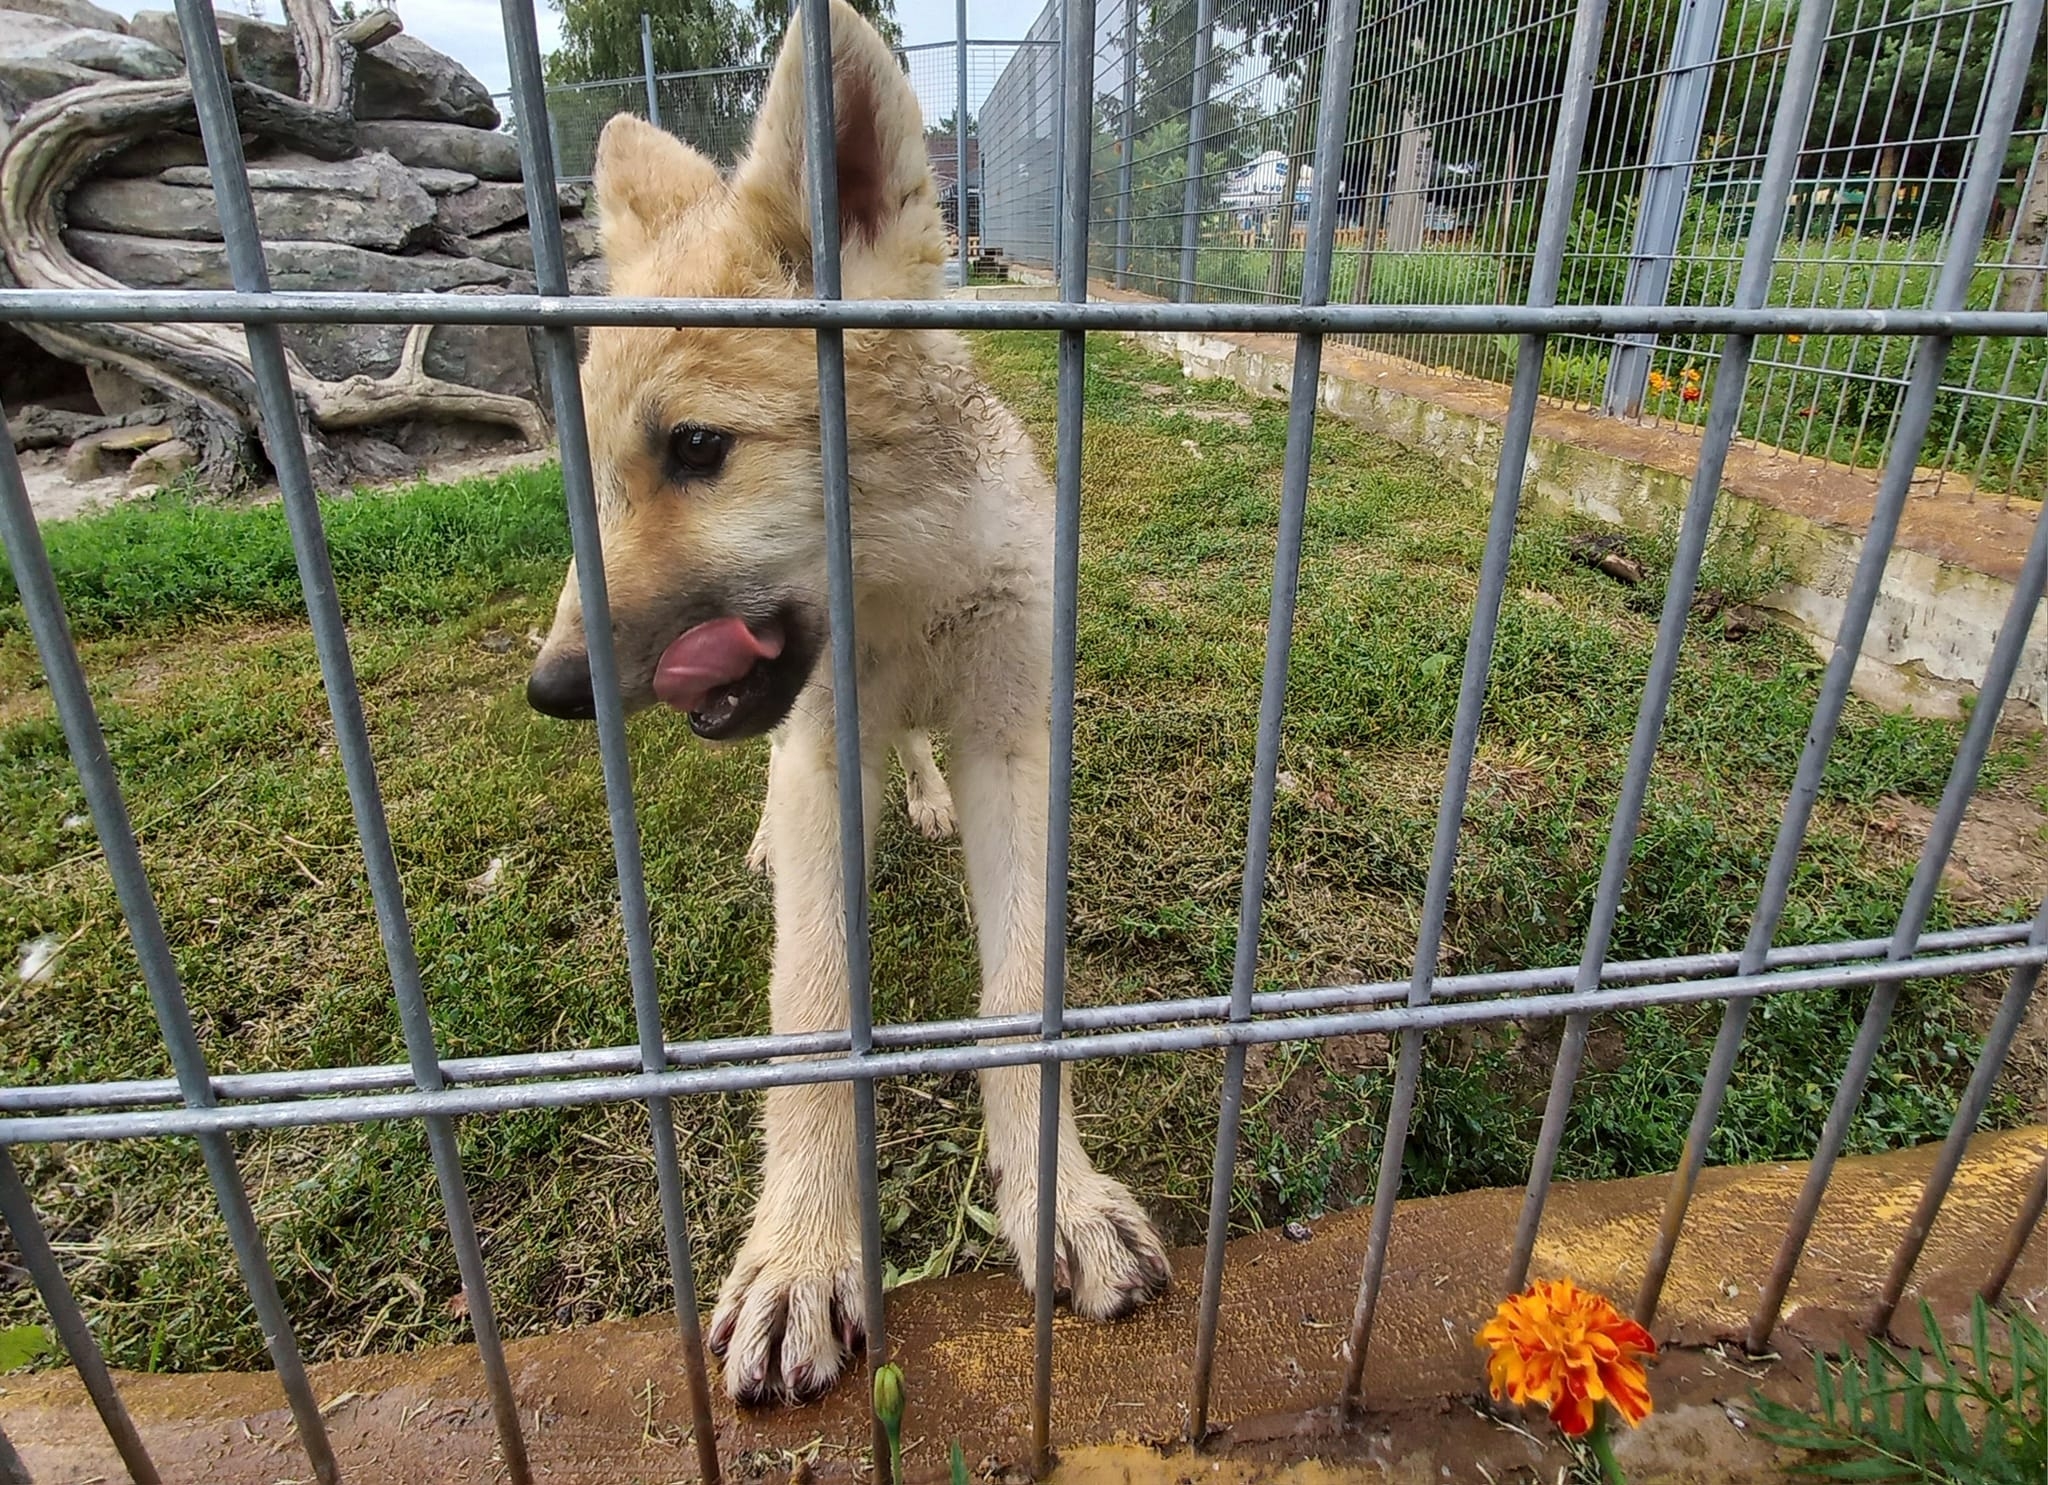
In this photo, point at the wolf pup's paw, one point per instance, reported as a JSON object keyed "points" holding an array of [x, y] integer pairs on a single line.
{"points": [[1107, 1257], [788, 1318], [757, 853], [932, 815], [926, 796]]}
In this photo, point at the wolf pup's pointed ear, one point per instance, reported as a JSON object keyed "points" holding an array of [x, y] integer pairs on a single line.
{"points": [[888, 204], [646, 180]]}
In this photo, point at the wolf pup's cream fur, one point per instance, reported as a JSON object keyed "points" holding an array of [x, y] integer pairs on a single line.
{"points": [[710, 498]]}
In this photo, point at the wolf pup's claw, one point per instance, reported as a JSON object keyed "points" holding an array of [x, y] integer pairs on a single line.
{"points": [[1108, 1260], [786, 1324]]}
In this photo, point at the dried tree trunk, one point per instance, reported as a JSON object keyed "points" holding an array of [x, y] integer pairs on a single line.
{"points": [[205, 369], [2023, 281]]}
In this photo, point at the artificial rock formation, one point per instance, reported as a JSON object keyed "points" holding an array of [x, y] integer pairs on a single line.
{"points": [[375, 163]]}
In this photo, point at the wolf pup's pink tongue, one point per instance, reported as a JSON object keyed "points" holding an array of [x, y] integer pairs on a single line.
{"points": [[712, 655]]}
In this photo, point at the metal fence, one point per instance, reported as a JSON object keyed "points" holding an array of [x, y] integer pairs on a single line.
{"points": [[713, 108], [656, 1071], [1201, 177]]}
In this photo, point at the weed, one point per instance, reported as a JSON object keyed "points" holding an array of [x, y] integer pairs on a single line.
{"points": [[1935, 1416]]}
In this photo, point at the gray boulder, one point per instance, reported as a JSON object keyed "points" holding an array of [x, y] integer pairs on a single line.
{"points": [[26, 80], [43, 38], [493, 205], [485, 209], [263, 51], [483, 153], [513, 248], [443, 182], [365, 177], [370, 202], [73, 13], [406, 79], [162, 263]]}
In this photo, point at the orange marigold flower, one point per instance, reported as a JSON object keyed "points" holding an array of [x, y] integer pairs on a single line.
{"points": [[1690, 391], [1792, 339], [1659, 383], [1570, 1350]]}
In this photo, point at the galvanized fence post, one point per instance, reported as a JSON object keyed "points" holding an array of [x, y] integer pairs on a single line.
{"points": [[1198, 141], [1340, 51], [1126, 143], [647, 68], [960, 195], [1667, 178]]}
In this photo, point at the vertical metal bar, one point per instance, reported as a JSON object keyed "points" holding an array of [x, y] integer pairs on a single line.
{"points": [[647, 68], [572, 436], [287, 449], [1977, 736], [2024, 1222], [960, 131], [1667, 178], [821, 166], [1340, 50], [1126, 145], [1059, 139], [88, 745], [12, 1470], [1916, 413], [1077, 88], [1198, 144], [18, 1211], [1998, 1041], [1802, 72], [1573, 108]]}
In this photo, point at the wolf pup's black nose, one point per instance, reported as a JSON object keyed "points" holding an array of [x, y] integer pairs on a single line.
{"points": [[560, 687]]}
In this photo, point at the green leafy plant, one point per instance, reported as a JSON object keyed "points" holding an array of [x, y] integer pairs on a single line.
{"points": [[1975, 1418]]}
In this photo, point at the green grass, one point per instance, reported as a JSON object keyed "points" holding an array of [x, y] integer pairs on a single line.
{"points": [[214, 715], [1832, 397]]}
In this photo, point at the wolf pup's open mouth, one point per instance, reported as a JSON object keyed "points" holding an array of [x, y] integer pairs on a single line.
{"points": [[720, 673]]}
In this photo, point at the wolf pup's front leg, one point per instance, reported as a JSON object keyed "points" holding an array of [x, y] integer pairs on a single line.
{"points": [[791, 1310], [1107, 1259]]}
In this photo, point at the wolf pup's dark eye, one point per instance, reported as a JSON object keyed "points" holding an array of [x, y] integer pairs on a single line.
{"points": [[695, 452]]}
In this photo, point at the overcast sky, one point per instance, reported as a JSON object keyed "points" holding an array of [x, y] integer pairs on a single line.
{"points": [[472, 32]]}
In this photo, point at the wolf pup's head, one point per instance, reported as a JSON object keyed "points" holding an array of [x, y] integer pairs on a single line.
{"points": [[704, 443]]}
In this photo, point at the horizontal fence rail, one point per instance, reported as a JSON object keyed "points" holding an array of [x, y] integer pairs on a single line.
{"points": [[173, 306], [1083, 155]]}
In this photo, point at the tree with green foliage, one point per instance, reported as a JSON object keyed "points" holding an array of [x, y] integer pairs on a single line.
{"points": [[1163, 94], [1896, 103], [728, 46], [771, 18]]}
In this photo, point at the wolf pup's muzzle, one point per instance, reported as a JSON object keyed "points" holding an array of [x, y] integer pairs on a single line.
{"points": [[732, 678], [560, 687]]}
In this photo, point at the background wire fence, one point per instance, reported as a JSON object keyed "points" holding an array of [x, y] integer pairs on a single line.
{"points": [[714, 109], [1451, 109], [1450, 112]]}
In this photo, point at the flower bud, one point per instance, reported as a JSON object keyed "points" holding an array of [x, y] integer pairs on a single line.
{"points": [[889, 1396]]}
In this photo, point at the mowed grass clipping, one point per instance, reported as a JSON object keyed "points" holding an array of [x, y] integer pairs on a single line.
{"points": [[214, 713]]}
